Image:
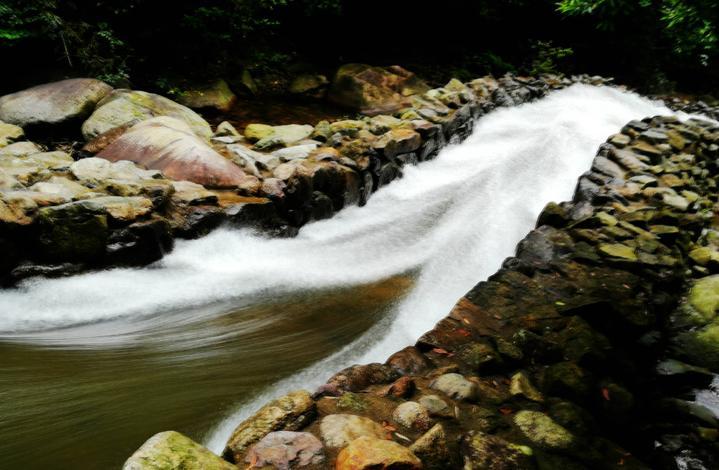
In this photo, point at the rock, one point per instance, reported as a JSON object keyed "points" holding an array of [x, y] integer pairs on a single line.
{"points": [[480, 356], [481, 451], [339, 430], [216, 95], [64, 187], [99, 143], [8, 181], [398, 141], [432, 449], [618, 250], [409, 361], [95, 170], [76, 231], [286, 450], [543, 431], [255, 132], [288, 413], [225, 129], [171, 450], [521, 385], [296, 152], [53, 103], [373, 90], [308, 84], [168, 145], [124, 106], [435, 406], [19, 149], [281, 136], [567, 379], [412, 415], [17, 208], [368, 453], [121, 209], [190, 193], [455, 386], [9, 133]]}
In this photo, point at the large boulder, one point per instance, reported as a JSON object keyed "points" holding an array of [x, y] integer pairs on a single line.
{"points": [[374, 90], [169, 145], [216, 95], [172, 450], [53, 103], [127, 106], [286, 450]]}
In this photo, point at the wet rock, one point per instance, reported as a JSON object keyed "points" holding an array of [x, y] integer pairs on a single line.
{"points": [[225, 129], [53, 103], [567, 379], [285, 450], [309, 84], [481, 451], [402, 387], [358, 377], [481, 357], [76, 231], [521, 385], [124, 106], [412, 415], [542, 430], [288, 413], [168, 145], [140, 243], [339, 430], [432, 449], [216, 95], [373, 90], [398, 141], [409, 361], [455, 386], [367, 453], [436, 406], [172, 450]]}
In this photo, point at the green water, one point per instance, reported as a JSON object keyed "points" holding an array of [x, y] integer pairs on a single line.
{"points": [[87, 397]]}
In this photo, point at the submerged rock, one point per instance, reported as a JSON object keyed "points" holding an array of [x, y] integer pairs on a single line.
{"points": [[53, 103], [481, 451], [171, 450], [124, 106]]}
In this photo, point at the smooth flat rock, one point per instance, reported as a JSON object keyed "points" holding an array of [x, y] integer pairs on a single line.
{"points": [[368, 453], [53, 103]]}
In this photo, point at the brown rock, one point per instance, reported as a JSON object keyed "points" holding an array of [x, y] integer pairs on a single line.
{"points": [[368, 453]]}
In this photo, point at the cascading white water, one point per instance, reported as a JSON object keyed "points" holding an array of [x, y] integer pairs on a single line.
{"points": [[452, 220]]}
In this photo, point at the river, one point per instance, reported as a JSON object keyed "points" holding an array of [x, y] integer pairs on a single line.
{"points": [[94, 364]]}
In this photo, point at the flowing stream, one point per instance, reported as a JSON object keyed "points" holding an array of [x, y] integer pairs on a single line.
{"points": [[94, 364]]}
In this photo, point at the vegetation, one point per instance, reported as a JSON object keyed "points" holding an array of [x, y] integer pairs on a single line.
{"points": [[149, 42]]}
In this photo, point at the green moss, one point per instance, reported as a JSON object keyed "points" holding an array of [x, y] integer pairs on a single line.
{"points": [[542, 430]]}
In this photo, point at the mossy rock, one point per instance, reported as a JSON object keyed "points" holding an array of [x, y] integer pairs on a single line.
{"points": [[543, 430], [171, 450]]}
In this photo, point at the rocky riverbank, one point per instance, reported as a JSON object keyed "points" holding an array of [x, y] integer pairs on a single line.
{"points": [[582, 351], [92, 177]]}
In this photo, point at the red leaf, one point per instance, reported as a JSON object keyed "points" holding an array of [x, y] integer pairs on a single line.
{"points": [[605, 393]]}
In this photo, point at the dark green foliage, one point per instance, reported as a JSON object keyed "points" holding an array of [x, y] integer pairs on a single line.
{"points": [[651, 43]]}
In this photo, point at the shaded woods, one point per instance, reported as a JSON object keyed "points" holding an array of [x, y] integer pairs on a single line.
{"points": [[658, 45]]}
